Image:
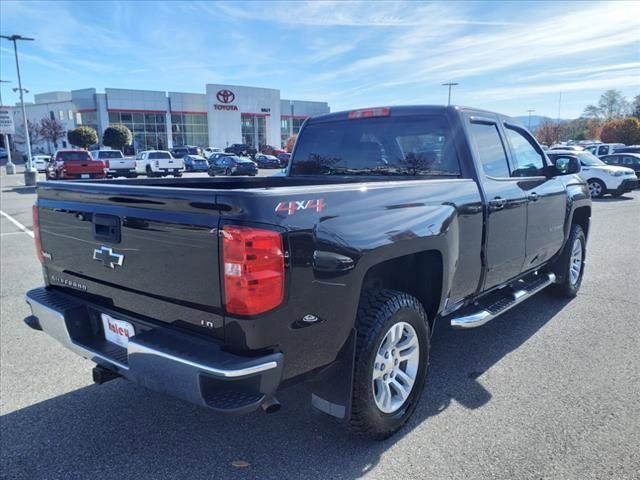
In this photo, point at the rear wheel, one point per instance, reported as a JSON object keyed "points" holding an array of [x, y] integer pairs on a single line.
{"points": [[597, 188], [570, 265], [392, 352]]}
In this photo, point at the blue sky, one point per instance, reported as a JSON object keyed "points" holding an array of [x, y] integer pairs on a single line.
{"points": [[507, 57]]}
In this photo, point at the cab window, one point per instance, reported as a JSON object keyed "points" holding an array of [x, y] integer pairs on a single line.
{"points": [[603, 150], [529, 162], [491, 151]]}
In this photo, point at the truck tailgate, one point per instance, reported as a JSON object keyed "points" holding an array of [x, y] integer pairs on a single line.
{"points": [[130, 248]]}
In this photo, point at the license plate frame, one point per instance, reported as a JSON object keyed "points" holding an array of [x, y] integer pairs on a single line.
{"points": [[117, 331]]}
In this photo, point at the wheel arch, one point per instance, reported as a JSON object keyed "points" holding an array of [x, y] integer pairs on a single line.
{"points": [[419, 274]]}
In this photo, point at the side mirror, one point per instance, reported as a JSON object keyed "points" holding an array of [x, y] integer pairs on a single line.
{"points": [[562, 165]]}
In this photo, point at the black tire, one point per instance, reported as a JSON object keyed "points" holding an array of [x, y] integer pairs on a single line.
{"points": [[597, 188], [149, 172], [227, 172], [378, 311], [565, 286]]}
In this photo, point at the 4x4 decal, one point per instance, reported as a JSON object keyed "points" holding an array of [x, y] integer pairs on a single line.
{"points": [[292, 207]]}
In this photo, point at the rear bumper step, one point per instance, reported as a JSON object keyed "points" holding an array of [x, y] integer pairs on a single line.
{"points": [[489, 312], [179, 364]]}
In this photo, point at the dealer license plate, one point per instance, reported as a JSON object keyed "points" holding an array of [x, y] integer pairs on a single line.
{"points": [[117, 331], [85, 175]]}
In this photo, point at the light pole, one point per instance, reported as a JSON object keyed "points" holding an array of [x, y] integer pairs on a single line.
{"points": [[531, 110], [450, 84], [29, 172], [11, 168]]}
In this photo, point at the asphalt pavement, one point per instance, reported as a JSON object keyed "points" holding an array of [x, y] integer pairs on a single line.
{"points": [[549, 390]]}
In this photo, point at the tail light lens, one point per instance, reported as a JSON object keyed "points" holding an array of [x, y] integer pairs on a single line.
{"points": [[106, 164], [369, 113], [253, 269], [36, 233]]}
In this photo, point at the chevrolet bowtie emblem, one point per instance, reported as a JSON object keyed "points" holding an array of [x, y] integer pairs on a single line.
{"points": [[107, 256]]}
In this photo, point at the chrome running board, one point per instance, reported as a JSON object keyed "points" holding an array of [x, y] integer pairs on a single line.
{"points": [[488, 313]]}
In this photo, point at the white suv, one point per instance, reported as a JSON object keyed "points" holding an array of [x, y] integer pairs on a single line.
{"points": [[601, 149], [600, 177], [158, 163]]}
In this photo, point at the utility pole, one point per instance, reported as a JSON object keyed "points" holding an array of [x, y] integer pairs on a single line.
{"points": [[11, 168], [450, 84], [29, 172], [531, 110]]}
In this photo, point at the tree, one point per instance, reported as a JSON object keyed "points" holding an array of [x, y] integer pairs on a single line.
{"points": [[625, 131], [635, 106], [592, 112], [34, 133], [117, 136], [82, 137], [612, 105], [547, 133], [291, 141], [52, 131]]}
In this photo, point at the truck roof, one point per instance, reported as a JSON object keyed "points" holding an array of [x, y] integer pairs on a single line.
{"points": [[409, 110]]}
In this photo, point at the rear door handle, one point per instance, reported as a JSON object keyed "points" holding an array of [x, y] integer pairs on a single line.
{"points": [[497, 203], [533, 197]]}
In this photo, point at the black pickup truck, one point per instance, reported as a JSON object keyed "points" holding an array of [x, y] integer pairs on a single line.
{"points": [[221, 291]]}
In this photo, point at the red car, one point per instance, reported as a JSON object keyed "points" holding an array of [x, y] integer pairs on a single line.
{"points": [[70, 164], [270, 150]]}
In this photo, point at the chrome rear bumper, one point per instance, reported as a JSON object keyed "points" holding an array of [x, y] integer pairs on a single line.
{"points": [[183, 365]]}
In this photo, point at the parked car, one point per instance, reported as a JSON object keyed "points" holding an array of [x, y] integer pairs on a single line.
{"points": [[232, 165], [284, 159], [195, 163], [335, 274], [158, 163], [207, 152], [117, 164], [180, 152], [215, 156], [266, 161], [241, 150], [601, 149], [629, 160], [40, 162], [271, 150], [572, 148], [601, 178], [628, 149], [69, 164]]}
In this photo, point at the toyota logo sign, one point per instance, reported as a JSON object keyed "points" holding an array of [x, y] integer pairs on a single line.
{"points": [[225, 96]]}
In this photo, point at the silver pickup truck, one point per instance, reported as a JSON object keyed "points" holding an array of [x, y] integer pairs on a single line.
{"points": [[117, 163]]}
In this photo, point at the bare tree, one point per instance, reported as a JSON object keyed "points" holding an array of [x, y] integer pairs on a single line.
{"points": [[613, 105], [51, 130]]}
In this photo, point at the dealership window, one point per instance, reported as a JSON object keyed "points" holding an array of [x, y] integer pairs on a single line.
{"points": [[70, 114], [247, 130], [289, 126], [189, 129], [148, 128], [61, 114]]}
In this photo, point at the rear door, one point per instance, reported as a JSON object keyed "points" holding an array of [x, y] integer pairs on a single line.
{"points": [[506, 222], [546, 197]]}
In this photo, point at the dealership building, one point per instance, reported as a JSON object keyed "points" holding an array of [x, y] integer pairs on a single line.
{"points": [[224, 115]]}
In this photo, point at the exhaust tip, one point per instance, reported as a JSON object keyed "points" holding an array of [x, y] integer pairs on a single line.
{"points": [[270, 405]]}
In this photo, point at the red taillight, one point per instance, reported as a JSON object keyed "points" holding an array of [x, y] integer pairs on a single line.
{"points": [[369, 112], [253, 269], [106, 164], [36, 233]]}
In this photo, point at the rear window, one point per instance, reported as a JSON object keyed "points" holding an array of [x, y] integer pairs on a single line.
{"points": [[110, 154], [74, 156], [411, 145], [159, 155]]}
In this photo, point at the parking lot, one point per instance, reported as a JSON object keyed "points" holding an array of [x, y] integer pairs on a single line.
{"points": [[551, 389]]}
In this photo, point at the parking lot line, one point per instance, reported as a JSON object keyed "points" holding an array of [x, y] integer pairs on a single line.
{"points": [[17, 223]]}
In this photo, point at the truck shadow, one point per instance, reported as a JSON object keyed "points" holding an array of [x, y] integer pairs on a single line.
{"points": [[120, 430]]}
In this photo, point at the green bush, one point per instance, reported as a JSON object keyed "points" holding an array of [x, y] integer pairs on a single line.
{"points": [[82, 137], [117, 136]]}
